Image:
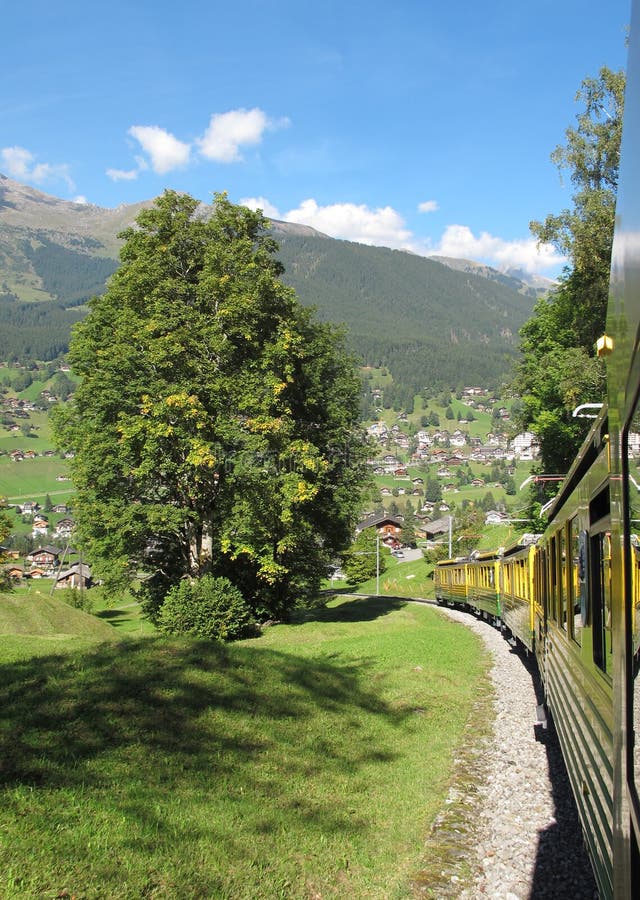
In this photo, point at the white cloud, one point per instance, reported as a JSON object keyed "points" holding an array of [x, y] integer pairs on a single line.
{"points": [[385, 227], [80, 199], [20, 163], [228, 132], [128, 174], [428, 206], [382, 226], [166, 152], [261, 203], [459, 241], [122, 174]]}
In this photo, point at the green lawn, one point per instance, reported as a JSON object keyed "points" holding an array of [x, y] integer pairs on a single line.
{"points": [[306, 763]]}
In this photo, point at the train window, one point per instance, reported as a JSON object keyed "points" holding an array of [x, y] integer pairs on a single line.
{"points": [[553, 579], [562, 580], [577, 581], [600, 581]]}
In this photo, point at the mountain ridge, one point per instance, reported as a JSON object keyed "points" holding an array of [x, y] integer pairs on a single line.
{"points": [[427, 320]]}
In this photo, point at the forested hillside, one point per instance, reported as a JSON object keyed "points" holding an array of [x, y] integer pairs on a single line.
{"points": [[426, 322], [422, 320]]}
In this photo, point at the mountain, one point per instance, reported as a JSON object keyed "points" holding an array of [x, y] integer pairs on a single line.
{"points": [[427, 321], [516, 279]]}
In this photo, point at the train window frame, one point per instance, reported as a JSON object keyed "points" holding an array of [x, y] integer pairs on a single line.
{"points": [[578, 600], [599, 590], [552, 579], [563, 593]]}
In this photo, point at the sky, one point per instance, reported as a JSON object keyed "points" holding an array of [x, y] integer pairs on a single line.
{"points": [[411, 124]]}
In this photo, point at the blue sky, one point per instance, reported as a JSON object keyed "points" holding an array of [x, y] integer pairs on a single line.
{"points": [[402, 123]]}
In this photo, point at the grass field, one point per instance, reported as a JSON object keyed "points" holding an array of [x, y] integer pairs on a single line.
{"points": [[308, 763]]}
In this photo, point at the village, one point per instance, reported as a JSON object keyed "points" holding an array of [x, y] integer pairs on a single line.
{"points": [[424, 472]]}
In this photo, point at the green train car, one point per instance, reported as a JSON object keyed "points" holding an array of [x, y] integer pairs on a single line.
{"points": [[572, 596]]}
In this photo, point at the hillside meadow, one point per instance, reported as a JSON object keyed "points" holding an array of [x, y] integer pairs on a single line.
{"points": [[308, 762]]}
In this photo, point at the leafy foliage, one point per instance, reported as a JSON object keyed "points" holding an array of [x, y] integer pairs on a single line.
{"points": [[361, 561], [5, 530], [215, 425], [207, 607], [559, 368]]}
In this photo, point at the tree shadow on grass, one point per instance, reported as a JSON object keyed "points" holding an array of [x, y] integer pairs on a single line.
{"points": [[191, 744], [115, 617], [358, 609], [197, 706]]}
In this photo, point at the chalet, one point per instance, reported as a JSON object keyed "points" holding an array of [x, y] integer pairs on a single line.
{"points": [[64, 528], [388, 527], [433, 530], [417, 481], [74, 577], [14, 572], [10, 553], [400, 472], [495, 517], [29, 508], [378, 429], [525, 445], [45, 556]]}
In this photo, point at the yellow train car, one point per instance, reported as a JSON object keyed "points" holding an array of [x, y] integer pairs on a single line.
{"points": [[450, 579], [517, 583], [483, 593]]}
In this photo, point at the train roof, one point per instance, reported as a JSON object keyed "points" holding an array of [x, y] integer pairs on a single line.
{"points": [[523, 543]]}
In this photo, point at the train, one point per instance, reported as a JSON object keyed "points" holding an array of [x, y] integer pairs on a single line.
{"points": [[571, 595]]}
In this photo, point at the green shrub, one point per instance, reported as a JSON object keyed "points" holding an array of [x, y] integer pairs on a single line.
{"points": [[76, 598], [208, 607]]}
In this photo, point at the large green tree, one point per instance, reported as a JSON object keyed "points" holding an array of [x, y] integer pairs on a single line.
{"points": [[5, 530], [559, 369], [214, 429]]}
